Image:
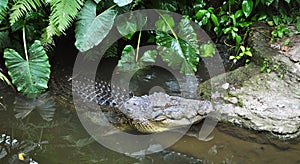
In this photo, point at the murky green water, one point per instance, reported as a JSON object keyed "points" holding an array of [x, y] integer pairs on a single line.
{"points": [[52, 133]]}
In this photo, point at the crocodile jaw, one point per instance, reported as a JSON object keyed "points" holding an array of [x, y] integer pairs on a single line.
{"points": [[160, 112]]}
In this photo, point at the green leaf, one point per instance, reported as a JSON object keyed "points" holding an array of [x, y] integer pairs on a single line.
{"points": [[4, 39], [269, 2], [238, 14], [122, 3], [63, 12], [177, 53], [215, 20], [180, 53], [238, 39], [97, 1], [149, 56], [21, 7], [165, 24], [298, 24], [247, 6], [200, 14], [127, 62], [3, 9], [30, 77], [288, 1], [207, 50], [91, 29], [127, 27]]}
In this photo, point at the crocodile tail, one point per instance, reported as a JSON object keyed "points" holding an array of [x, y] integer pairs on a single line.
{"points": [[100, 92]]}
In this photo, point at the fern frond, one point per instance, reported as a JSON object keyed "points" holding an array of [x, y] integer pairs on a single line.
{"points": [[3, 9], [63, 12], [21, 7]]}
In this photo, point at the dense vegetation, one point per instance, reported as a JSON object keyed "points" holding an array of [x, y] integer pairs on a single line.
{"points": [[27, 29]]}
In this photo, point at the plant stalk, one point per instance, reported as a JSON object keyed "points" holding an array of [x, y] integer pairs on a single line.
{"points": [[24, 43], [138, 46], [172, 30]]}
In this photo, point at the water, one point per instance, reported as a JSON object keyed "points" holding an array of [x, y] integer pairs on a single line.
{"points": [[51, 133]]}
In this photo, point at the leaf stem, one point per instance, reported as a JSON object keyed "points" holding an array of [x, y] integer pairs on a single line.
{"points": [[172, 31], [138, 46], [24, 43], [4, 28]]}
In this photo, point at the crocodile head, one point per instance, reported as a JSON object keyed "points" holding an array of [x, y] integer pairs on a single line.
{"points": [[160, 112]]}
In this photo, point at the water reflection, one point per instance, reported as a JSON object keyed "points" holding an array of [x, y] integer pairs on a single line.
{"points": [[47, 131]]}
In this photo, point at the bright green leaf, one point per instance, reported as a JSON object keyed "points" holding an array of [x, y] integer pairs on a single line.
{"points": [[238, 14], [207, 50], [92, 29], [247, 6], [30, 77], [238, 39], [215, 20]]}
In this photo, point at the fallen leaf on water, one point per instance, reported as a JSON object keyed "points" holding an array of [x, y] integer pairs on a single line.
{"points": [[21, 156]]}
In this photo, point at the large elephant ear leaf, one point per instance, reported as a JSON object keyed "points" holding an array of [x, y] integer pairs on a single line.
{"points": [[30, 77], [92, 29]]}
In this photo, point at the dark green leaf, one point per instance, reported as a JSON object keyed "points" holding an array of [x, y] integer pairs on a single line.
{"points": [[4, 40], [247, 6], [199, 4], [269, 2], [30, 77], [122, 3], [91, 29], [3, 9], [298, 24], [169, 5], [181, 54]]}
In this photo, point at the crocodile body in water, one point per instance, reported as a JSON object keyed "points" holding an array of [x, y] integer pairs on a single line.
{"points": [[149, 113]]}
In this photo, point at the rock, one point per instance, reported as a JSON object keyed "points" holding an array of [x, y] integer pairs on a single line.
{"points": [[268, 102]]}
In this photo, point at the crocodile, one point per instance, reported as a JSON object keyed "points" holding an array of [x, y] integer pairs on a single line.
{"points": [[152, 113]]}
